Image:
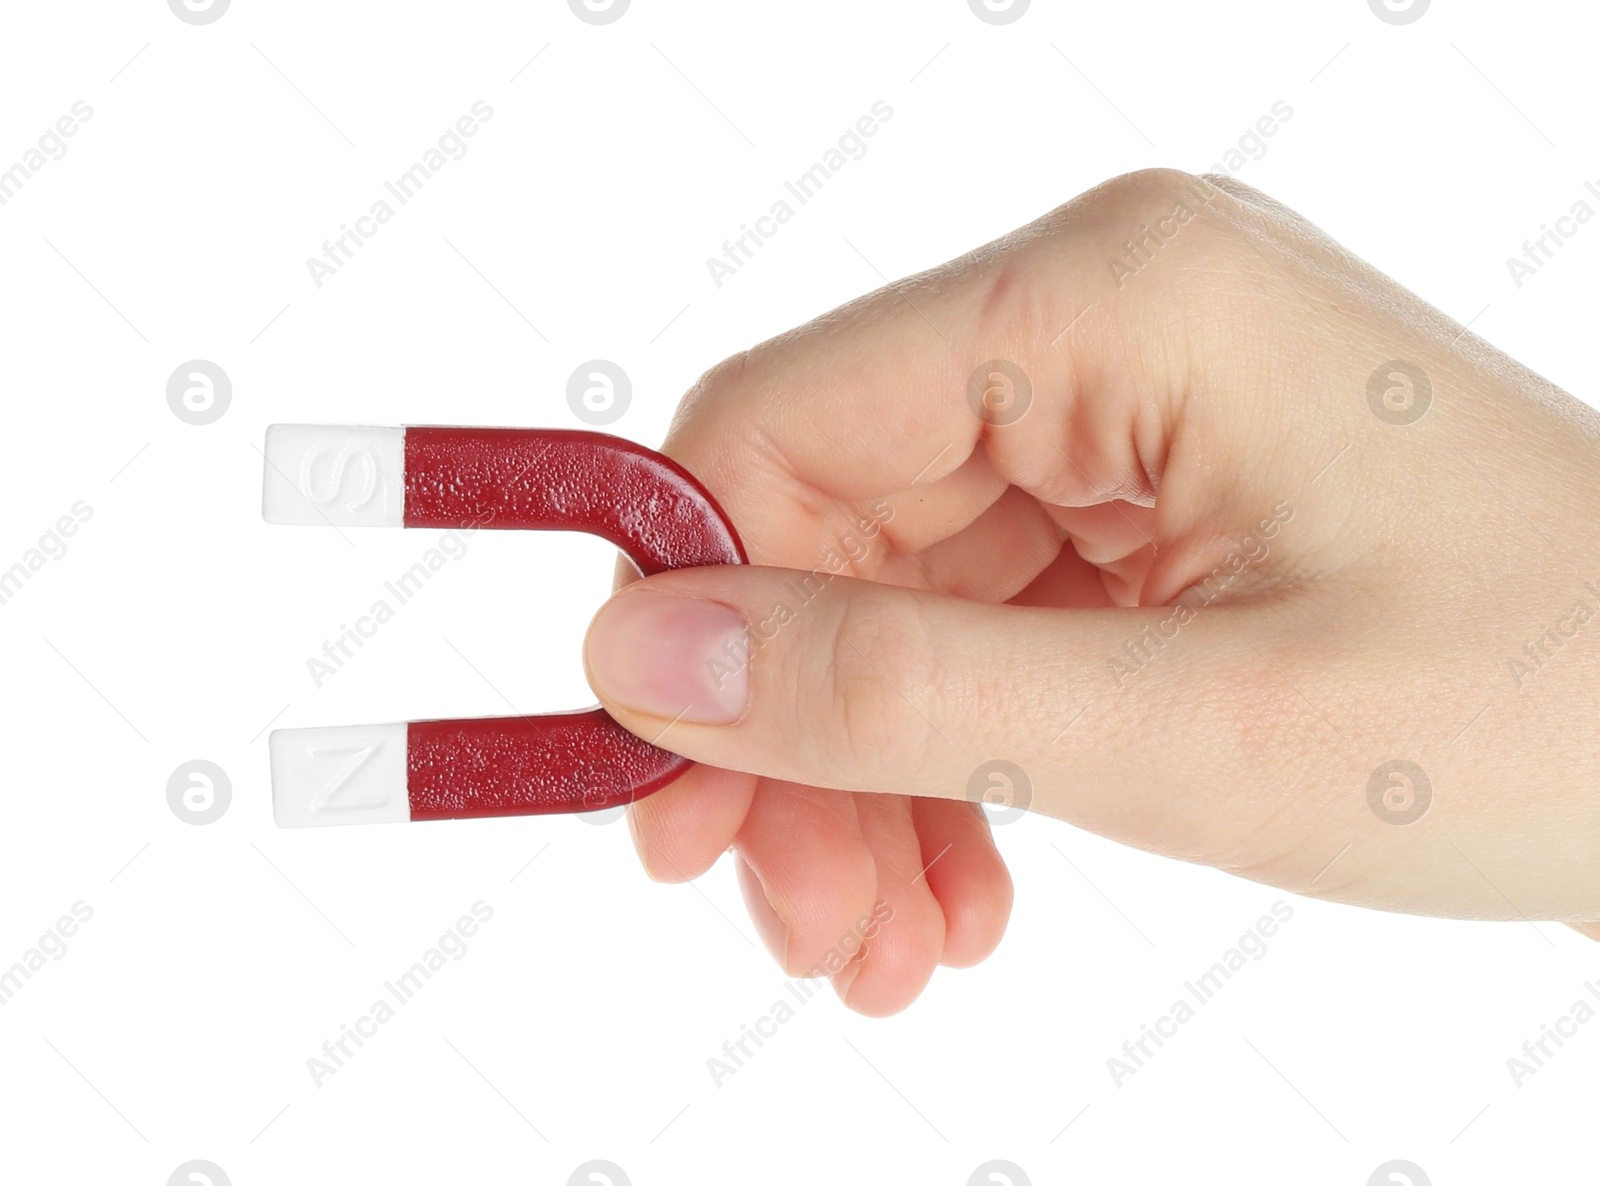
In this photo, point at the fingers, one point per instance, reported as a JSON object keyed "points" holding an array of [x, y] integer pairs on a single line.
{"points": [[963, 869], [887, 394], [996, 557], [855, 685], [806, 851], [905, 947], [938, 893], [681, 830], [811, 680], [769, 924]]}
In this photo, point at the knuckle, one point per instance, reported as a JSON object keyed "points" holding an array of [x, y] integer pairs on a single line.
{"points": [[1150, 216], [881, 681], [1154, 183], [1233, 187], [1144, 193], [1012, 307], [727, 376], [1019, 295], [1132, 218]]}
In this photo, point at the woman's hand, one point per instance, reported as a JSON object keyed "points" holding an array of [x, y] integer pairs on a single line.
{"points": [[1169, 517]]}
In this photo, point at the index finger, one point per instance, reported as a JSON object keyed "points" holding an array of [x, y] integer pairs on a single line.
{"points": [[888, 392]]}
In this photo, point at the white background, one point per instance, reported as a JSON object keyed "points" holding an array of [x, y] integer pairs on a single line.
{"points": [[578, 1026]]}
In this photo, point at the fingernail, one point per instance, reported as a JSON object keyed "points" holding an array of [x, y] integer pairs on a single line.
{"points": [[668, 656]]}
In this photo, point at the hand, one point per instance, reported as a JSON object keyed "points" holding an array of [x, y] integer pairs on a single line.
{"points": [[1240, 552]]}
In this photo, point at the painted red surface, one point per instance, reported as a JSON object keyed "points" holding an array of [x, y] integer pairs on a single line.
{"points": [[551, 480]]}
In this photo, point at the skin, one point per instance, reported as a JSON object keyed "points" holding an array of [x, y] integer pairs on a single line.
{"points": [[1174, 411]]}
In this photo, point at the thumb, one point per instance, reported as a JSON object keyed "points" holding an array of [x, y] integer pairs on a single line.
{"points": [[836, 682]]}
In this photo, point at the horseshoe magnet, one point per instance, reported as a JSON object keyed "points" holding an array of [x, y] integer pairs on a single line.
{"points": [[527, 478]]}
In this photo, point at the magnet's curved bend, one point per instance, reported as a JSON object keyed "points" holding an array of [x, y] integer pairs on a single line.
{"points": [[470, 479]]}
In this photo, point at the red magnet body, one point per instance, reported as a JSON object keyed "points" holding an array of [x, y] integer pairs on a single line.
{"points": [[495, 478]]}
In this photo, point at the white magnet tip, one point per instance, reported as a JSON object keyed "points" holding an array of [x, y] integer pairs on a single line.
{"points": [[348, 774], [331, 475]]}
